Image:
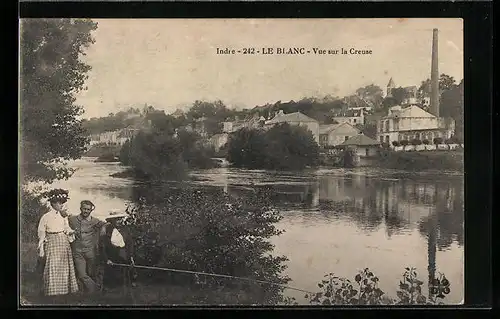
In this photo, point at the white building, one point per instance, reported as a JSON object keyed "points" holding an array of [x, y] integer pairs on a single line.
{"points": [[412, 122]]}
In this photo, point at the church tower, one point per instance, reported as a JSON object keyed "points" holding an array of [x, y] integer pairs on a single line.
{"points": [[390, 87]]}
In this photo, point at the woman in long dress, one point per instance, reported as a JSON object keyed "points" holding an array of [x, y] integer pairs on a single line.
{"points": [[55, 236]]}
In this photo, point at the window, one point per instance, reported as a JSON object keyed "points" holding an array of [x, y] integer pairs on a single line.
{"points": [[367, 153], [346, 138], [354, 120], [387, 139], [381, 139]]}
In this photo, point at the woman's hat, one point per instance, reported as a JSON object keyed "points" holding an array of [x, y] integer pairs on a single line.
{"points": [[116, 214], [57, 195]]}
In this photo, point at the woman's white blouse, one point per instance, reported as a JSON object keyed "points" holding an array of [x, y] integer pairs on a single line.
{"points": [[52, 222]]}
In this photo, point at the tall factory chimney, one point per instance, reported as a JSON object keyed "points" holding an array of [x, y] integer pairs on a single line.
{"points": [[434, 101]]}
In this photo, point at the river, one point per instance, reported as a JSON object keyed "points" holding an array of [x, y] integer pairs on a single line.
{"points": [[335, 220]]}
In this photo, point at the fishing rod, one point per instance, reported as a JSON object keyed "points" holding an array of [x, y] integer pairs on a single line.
{"points": [[210, 274]]}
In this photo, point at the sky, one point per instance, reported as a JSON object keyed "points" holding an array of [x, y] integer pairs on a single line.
{"points": [[170, 63]]}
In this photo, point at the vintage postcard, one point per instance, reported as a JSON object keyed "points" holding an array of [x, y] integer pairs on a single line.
{"points": [[241, 162]]}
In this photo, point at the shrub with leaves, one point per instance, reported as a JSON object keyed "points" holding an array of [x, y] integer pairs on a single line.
{"points": [[364, 290], [209, 231]]}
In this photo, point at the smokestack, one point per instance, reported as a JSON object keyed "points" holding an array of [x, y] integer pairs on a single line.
{"points": [[434, 102]]}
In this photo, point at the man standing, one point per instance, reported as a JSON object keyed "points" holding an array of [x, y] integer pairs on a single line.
{"points": [[86, 245]]}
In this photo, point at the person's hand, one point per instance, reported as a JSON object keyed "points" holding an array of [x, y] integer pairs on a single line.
{"points": [[109, 262]]}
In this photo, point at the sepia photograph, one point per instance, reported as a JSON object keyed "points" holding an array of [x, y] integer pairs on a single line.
{"points": [[254, 162]]}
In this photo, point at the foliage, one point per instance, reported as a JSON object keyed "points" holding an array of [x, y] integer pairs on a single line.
{"points": [[446, 82], [350, 158], [417, 161], [416, 142], [51, 74], [369, 129], [399, 94], [395, 143], [160, 155], [404, 143], [31, 209], [437, 140], [426, 142], [364, 290], [209, 231], [452, 105], [282, 147], [371, 93]]}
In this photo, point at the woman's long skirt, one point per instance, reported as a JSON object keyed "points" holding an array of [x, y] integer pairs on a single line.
{"points": [[59, 274]]}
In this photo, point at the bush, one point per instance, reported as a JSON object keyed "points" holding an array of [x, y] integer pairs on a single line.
{"points": [[395, 143], [161, 156], [404, 143], [438, 140], [364, 290], [208, 231], [426, 142], [31, 210], [282, 147], [416, 142], [350, 158]]}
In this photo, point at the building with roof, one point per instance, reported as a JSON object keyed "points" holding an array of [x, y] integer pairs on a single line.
{"points": [[412, 122], [331, 135], [364, 145], [296, 118], [351, 116], [252, 121]]}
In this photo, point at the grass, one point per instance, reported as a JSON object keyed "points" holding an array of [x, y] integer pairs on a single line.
{"points": [[145, 293], [424, 160]]}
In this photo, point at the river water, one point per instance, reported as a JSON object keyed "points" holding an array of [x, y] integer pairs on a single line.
{"points": [[335, 220]]}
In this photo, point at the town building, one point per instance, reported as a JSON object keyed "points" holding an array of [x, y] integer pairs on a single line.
{"points": [[412, 122], [336, 134], [296, 118], [118, 137], [364, 145], [351, 116], [253, 121], [356, 102]]}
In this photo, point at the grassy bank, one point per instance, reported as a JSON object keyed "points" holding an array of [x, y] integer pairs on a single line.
{"points": [[452, 160], [143, 294]]}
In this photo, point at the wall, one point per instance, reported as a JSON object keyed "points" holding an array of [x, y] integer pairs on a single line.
{"points": [[337, 136]]}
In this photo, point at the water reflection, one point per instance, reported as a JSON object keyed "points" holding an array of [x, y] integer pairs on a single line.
{"points": [[400, 204]]}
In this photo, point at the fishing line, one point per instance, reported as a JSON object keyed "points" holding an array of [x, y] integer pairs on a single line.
{"points": [[211, 274]]}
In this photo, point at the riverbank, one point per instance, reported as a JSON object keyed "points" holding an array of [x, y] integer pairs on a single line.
{"points": [[450, 160]]}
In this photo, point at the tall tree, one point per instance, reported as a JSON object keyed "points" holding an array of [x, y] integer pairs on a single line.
{"points": [[452, 105], [371, 93], [446, 82], [51, 73]]}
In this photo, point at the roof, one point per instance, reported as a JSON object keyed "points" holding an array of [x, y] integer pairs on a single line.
{"points": [[361, 140], [412, 111], [291, 117], [325, 129]]}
